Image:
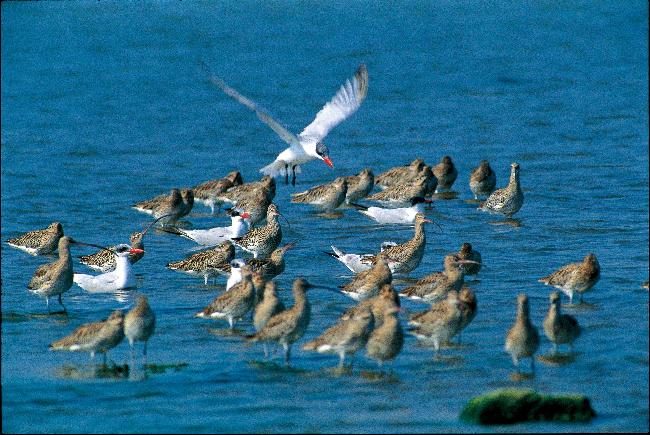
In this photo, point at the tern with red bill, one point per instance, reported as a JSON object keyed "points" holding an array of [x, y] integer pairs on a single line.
{"points": [[401, 215], [308, 145], [239, 226], [121, 278]]}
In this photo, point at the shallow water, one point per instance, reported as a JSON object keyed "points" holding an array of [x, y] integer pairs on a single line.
{"points": [[104, 105]]}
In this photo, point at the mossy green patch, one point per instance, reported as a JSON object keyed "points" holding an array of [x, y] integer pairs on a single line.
{"points": [[508, 406]]}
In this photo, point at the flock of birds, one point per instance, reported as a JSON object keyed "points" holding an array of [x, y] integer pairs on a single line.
{"points": [[256, 230]]}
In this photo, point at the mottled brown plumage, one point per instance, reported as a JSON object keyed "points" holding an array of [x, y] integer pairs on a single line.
{"points": [[262, 241], [326, 197], [360, 185], [445, 173], [400, 174], [506, 201], [560, 328], [98, 337], [440, 323], [39, 242], [387, 339], [208, 191], [575, 277], [234, 303], [483, 180], [367, 284], [403, 192], [206, 263]]}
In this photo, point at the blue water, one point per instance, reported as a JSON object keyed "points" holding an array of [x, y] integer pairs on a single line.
{"points": [[103, 105]]}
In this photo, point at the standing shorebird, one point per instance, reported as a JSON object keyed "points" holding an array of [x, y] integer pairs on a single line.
{"points": [[290, 325], [445, 173], [39, 242], [466, 252], [360, 185], [386, 340], [468, 307], [139, 324], [387, 296], [97, 337], [55, 278], [575, 277], [508, 200], [345, 337], [326, 197], [560, 328], [403, 258], [206, 263], [483, 180], [368, 283], [308, 145], [213, 236], [269, 306], [401, 193], [234, 303], [440, 323], [238, 193], [104, 259], [401, 174], [402, 215], [435, 286], [170, 206], [255, 205], [522, 339], [188, 202], [121, 278], [262, 241], [206, 193], [268, 267]]}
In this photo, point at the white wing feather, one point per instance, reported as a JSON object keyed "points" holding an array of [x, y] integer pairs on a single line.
{"points": [[346, 101]]}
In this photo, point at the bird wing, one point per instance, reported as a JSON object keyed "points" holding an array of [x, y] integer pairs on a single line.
{"points": [[346, 101], [41, 276], [284, 134]]}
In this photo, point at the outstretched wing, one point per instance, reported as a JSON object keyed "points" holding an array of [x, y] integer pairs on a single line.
{"points": [[346, 101], [284, 134]]}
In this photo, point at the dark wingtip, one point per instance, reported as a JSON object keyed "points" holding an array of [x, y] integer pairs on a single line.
{"points": [[358, 206], [331, 254]]}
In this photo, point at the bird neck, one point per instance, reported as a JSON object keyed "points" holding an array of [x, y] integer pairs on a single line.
{"points": [[514, 180], [122, 265]]}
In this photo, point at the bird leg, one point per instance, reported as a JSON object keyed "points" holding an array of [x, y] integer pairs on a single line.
{"points": [[144, 353], [47, 302], [230, 321], [293, 178], [341, 359], [286, 174], [266, 351], [287, 352], [61, 302]]}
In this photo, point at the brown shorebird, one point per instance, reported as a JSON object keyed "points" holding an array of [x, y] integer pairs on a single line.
{"points": [[326, 197], [466, 252], [259, 284], [234, 303], [206, 193], [55, 278], [387, 339], [255, 205], [39, 242], [262, 241], [468, 307], [170, 206], [483, 180], [367, 284], [403, 258], [435, 286], [387, 296], [139, 324], [402, 193], [645, 285], [188, 201], [575, 277], [268, 267], [445, 173], [269, 306], [522, 339], [238, 193], [506, 201], [206, 263], [440, 323], [560, 328], [360, 185], [345, 337], [400, 174], [288, 326], [97, 337]]}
